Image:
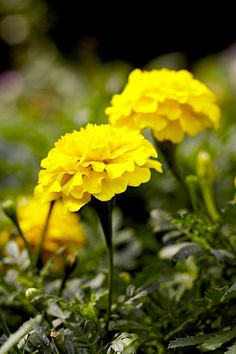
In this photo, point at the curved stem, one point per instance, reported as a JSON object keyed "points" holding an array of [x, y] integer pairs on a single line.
{"points": [[4, 325], [26, 243], [104, 211], [110, 283], [168, 150], [208, 199], [43, 235], [9, 209], [192, 185]]}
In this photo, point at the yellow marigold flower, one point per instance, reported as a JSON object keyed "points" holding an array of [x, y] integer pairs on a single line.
{"points": [[63, 229], [169, 102], [98, 160]]}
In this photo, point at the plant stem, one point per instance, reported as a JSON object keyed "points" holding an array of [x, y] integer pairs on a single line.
{"points": [[110, 283], [9, 209], [43, 235], [104, 211], [71, 263], [192, 184], [4, 325], [205, 172], [208, 199], [26, 243], [168, 150]]}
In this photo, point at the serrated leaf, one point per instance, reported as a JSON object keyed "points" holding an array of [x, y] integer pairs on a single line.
{"points": [[218, 340], [189, 341], [45, 271], [171, 235], [186, 251], [220, 254], [160, 220], [216, 294], [229, 213], [124, 343], [231, 349], [127, 325], [230, 293], [144, 291]]}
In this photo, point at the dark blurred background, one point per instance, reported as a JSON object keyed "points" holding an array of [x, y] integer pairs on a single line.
{"points": [[146, 30], [140, 31]]}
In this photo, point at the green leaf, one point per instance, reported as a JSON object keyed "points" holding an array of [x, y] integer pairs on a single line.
{"points": [[186, 251], [144, 291], [45, 271], [20, 333], [221, 254], [231, 349], [216, 294], [218, 340], [230, 293], [189, 341]]}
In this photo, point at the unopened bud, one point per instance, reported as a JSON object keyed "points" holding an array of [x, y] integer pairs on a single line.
{"points": [[125, 343], [205, 169], [192, 180], [9, 208], [30, 293]]}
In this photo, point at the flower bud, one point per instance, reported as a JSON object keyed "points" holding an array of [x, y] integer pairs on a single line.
{"points": [[9, 208], [205, 167], [30, 293]]}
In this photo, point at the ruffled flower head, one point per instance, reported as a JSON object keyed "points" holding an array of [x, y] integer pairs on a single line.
{"points": [[171, 103], [99, 161]]}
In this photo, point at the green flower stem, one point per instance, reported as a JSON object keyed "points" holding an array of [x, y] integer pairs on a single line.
{"points": [[104, 211], [4, 325], [71, 263], [168, 150], [192, 184], [207, 194], [26, 243], [110, 282], [10, 210], [43, 235], [205, 172]]}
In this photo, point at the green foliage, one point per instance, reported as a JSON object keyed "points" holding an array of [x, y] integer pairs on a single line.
{"points": [[175, 269]]}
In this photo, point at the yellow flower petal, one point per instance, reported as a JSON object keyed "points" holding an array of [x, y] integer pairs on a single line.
{"points": [[73, 204], [169, 109], [115, 170], [110, 188], [142, 175], [172, 132], [97, 160], [190, 123], [154, 99]]}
